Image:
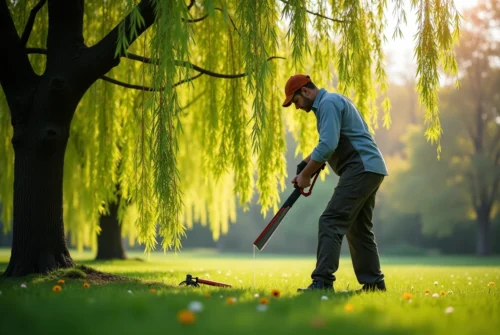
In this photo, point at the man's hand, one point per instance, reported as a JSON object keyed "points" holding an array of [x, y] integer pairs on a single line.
{"points": [[302, 181]]}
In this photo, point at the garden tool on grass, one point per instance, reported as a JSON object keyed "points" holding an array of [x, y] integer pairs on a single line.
{"points": [[266, 234], [190, 281]]}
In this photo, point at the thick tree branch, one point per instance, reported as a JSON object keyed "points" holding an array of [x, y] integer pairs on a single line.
{"points": [[185, 64], [16, 73], [319, 15], [151, 61], [31, 20], [102, 56], [65, 35]]}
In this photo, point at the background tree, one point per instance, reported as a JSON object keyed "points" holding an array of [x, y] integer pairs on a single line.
{"points": [[470, 167], [147, 142]]}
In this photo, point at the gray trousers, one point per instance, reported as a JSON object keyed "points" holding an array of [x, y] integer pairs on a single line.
{"points": [[349, 213]]}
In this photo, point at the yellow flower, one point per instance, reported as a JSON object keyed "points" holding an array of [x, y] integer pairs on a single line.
{"points": [[231, 300], [186, 317], [60, 281], [407, 296], [276, 293], [86, 285], [207, 295], [152, 290], [427, 291], [264, 301], [442, 293], [491, 284], [56, 288], [349, 307]]}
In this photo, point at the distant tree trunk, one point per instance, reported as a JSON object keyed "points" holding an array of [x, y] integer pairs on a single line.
{"points": [[109, 241], [482, 240]]}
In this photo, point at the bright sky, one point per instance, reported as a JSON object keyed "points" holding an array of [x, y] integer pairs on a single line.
{"points": [[400, 61]]}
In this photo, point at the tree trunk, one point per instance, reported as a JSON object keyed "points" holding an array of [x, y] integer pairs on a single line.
{"points": [[109, 241], [482, 241], [38, 244]]}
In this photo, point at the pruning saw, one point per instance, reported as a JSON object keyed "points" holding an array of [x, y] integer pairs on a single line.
{"points": [[268, 232]]}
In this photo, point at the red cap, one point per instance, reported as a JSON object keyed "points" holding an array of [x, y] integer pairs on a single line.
{"points": [[293, 84]]}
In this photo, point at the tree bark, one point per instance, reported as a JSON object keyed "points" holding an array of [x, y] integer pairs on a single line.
{"points": [[38, 244], [483, 227], [109, 241]]}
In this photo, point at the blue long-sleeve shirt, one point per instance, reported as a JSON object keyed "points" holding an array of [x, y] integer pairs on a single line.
{"points": [[344, 138]]}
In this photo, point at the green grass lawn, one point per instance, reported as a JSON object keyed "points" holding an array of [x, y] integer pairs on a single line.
{"points": [[130, 308]]}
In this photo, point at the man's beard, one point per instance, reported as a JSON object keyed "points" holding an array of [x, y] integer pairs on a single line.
{"points": [[308, 103]]}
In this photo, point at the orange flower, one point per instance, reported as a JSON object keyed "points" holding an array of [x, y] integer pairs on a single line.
{"points": [[207, 295], [152, 290], [56, 288], [442, 293], [491, 284], [60, 281], [264, 301], [186, 317], [349, 307], [86, 285], [276, 293], [427, 291], [231, 300], [318, 322], [407, 296]]}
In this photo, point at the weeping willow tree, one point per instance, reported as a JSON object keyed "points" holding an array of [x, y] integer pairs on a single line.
{"points": [[174, 108]]}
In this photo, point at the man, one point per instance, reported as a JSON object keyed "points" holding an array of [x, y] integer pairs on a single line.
{"points": [[347, 145]]}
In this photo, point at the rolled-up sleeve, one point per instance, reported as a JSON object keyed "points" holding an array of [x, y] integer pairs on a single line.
{"points": [[330, 121]]}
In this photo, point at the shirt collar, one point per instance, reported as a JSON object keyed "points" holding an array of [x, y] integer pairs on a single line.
{"points": [[318, 99]]}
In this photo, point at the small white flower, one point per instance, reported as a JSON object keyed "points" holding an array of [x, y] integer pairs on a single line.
{"points": [[436, 283], [256, 295], [324, 297], [449, 310], [345, 291], [207, 275], [195, 306], [23, 285], [262, 308], [129, 292], [435, 295], [409, 301]]}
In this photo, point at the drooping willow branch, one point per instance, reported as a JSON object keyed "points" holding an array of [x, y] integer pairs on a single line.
{"points": [[146, 88], [31, 20], [147, 60], [319, 15], [206, 15], [190, 65]]}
